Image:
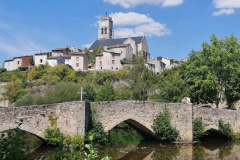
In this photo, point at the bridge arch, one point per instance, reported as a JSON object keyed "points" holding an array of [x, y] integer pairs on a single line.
{"points": [[215, 133], [136, 123], [24, 127]]}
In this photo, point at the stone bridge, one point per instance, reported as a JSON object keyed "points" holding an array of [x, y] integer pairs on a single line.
{"points": [[73, 117]]}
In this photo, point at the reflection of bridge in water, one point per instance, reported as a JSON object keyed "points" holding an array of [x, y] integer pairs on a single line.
{"points": [[73, 117]]}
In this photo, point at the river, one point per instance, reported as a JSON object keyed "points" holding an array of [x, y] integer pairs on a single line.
{"points": [[208, 149], [128, 147]]}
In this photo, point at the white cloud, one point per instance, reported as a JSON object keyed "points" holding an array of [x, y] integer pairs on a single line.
{"points": [[130, 18], [226, 6], [223, 11], [87, 45], [133, 3], [227, 3], [140, 25]]}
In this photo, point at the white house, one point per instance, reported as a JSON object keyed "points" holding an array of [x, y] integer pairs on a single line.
{"points": [[41, 58], [108, 61], [53, 61], [8, 64]]}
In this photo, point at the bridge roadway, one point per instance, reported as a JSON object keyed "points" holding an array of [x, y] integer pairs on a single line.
{"points": [[73, 117]]}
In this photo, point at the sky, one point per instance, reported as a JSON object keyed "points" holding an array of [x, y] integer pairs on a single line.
{"points": [[173, 28]]}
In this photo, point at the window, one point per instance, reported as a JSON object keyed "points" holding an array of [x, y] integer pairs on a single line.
{"points": [[77, 64], [18, 62], [100, 58], [113, 61], [105, 30], [100, 63], [102, 30], [112, 55], [112, 68], [41, 60], [116, 68], [77, 58]]}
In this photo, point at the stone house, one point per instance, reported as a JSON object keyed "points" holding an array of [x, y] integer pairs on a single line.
{"points": [[108, 61], [125, 50], [61, 51], [79, 61], [160, 63]]}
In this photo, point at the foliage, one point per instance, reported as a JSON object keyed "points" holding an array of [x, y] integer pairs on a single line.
{"points": [[31, 61], [95, 128], [106, 92], [225, 128], [162, 126], [123, 136], [61, 92], [90, 94], [14, 91], [12, 146], [140, 80], [54, 136], [3, 70], [198, 129], [23, 68], [214, 72], [37, 72]]}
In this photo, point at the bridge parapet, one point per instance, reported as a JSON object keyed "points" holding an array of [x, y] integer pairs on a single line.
{"points": [[211, 117], [71, 118], [141, 114]]}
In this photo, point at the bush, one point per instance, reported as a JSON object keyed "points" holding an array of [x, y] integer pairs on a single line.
{"points": [[62, 92], [163, 128], [225, 128], [3, 70], [198, 129]]}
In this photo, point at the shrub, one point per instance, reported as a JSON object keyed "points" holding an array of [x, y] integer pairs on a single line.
{"points": [[163, 128], [225, 128], [106, 92], [3, 70], [198, 129]]}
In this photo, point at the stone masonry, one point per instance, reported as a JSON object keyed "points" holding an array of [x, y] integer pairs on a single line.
{"points": [[71, 118], [141, 115]]}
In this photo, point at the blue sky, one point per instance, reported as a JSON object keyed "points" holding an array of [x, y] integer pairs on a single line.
{"points": [[173, 27]]}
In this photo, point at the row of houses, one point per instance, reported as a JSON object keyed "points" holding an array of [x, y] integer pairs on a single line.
{"points": [[114, 50]]}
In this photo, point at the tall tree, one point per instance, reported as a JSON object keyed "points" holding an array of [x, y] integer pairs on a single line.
{"points": [[140, 80], [214, 71], [106, 92]]}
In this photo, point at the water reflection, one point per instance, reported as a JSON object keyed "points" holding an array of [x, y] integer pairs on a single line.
{"points": [[214, 149]]}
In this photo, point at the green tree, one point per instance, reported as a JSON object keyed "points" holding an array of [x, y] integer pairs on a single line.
{"points": [[31, 61], [140, 80], [214, 72], [90, 92], [106, 92]]}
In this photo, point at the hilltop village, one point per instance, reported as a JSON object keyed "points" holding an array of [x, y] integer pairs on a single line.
{"points": [[110, 53]]}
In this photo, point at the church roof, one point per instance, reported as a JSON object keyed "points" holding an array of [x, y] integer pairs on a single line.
{"points": [[110, 42], [118, 45]]}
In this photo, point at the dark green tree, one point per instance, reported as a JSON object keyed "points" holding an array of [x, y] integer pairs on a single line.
{"points": [[90, 92], [31, 61], [140, 80], [106, 92], [214, 72]]}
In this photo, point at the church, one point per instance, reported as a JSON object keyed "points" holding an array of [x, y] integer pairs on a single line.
{"points": [[116, 49]]}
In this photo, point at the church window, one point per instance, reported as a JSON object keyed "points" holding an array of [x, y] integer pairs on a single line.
{"points": [[105, 30], [102, 30]]}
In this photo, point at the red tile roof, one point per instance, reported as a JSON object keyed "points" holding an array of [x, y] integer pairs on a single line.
{"points": [[66, 56]]}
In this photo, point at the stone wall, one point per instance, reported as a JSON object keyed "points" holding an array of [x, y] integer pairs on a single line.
{"points": [[141, 115], [71, 119], [211, 116]]}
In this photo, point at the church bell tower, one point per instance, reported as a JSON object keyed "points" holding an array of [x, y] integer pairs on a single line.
{"points": [[105, 30]]}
